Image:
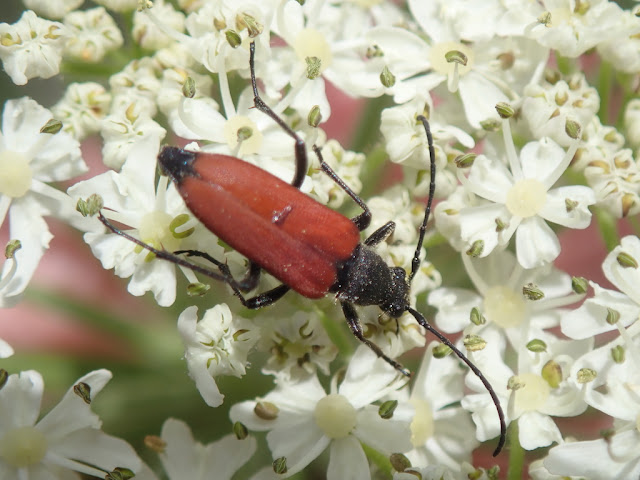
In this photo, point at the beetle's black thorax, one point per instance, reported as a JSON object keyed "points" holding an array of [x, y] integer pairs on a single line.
{"points": [[365, 279]]}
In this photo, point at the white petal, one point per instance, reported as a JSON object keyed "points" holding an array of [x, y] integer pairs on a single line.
{"points": [[385, 436], [21, 397], [89, 447], [180, 457], [454, 305], [536, 430], [300, 444], [72, 413], [626, 279], [590, 459], [226, 456], [590, 318], [555, 208], [540, 159], [479, 97], [347, 460], [536, 243], [479, 223]]}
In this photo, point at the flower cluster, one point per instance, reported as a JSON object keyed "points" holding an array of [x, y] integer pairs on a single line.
{"points": [[518, 96]]}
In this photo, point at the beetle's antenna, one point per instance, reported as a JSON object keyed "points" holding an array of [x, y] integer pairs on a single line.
{"points": [[415, 263], [503, 426]]}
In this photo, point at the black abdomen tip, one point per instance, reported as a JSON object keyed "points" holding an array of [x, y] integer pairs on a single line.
{"points": [[176, 163]]}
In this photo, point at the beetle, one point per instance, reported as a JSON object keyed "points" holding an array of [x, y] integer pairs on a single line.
{"points": [[307, 246]]}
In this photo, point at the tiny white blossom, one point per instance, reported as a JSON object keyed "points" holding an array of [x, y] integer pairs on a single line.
{"points": [[532, 393], [29, 160], [610, 309], [82, 108], [216, 345], [298, 346], [307, 420], [184, 458], [622, 50], [441, 430], [66, 439], [93, 34], [55, 9], [148, 35], [572, 27], [615, 179], [32, 47], [523, 201], [598, 141], [614, 390], [123, 129], [136, 83], [547, 107], [499, 280]]}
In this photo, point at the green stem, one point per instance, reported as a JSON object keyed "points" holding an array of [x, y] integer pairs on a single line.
{"points": [[608, 228], [605, 88], [516, 453]]}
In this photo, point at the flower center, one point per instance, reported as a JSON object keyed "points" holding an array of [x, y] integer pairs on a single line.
{"points": [[311, 43], [154, 230], [439, 62], [504, 307], [533, 395], [243, 131], [335, 416], [15, 174], [23, 446], [526, 198], [422, 425]]}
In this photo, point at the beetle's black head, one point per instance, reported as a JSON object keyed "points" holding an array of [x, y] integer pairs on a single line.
{"points": [[398, 294], [176, 163]]}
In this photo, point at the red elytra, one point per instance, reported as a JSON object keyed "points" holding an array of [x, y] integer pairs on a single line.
{"points": [[293, 237]]}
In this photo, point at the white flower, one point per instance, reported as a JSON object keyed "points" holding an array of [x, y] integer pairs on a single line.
{"points": [[93, 34], [303, 420], [623, 48], [441, 429], [67, 439], [539, 388], [615, 391], [484, 72], [157, 217], [615, 179], [547, 107], [28, 161], [82, 108], [185, 459], [136, 83], [572, 27], [55, 9], [123, 129], [298, 345], [216, 345], [522, 200], [609, 309], [499, 281], [147, 34], [31, 47]]}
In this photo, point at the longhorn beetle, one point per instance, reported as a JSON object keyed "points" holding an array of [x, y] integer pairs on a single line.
{"points": [[307, 246]]}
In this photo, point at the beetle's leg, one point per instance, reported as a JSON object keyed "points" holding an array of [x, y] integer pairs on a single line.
{"points": [[354, 324], [381, 234], [249, 281], [363, 220], [300, 147]]}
